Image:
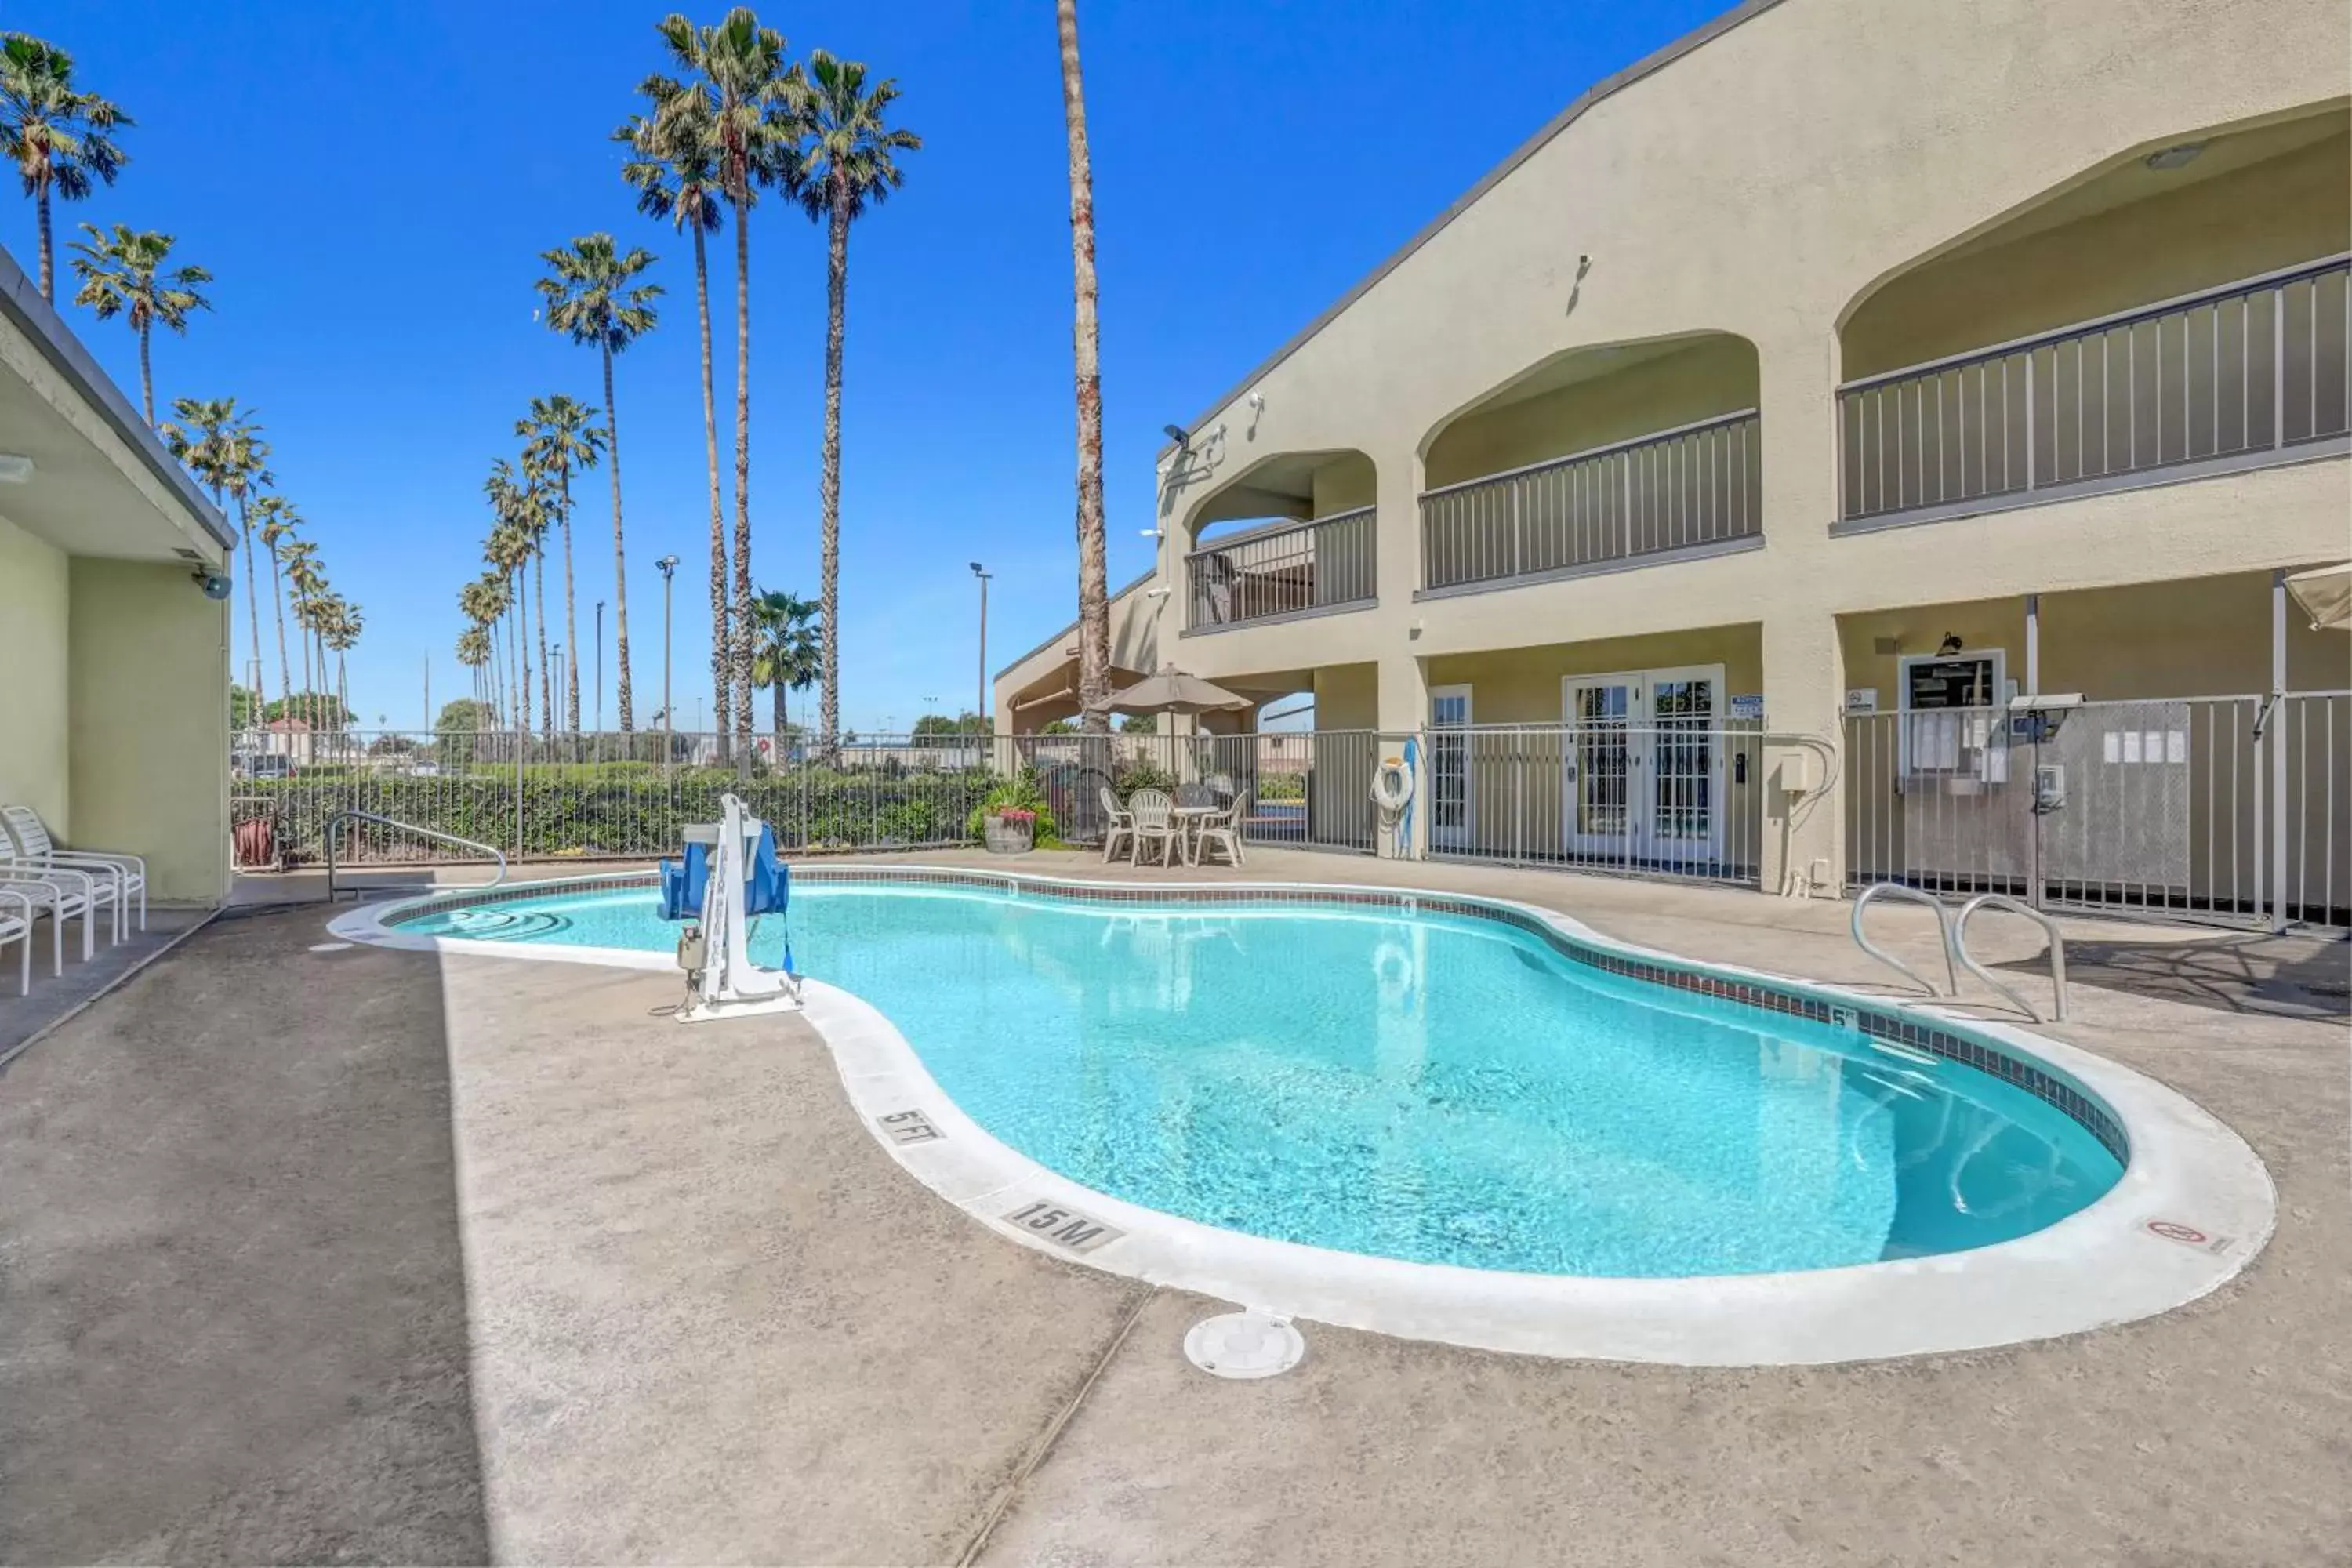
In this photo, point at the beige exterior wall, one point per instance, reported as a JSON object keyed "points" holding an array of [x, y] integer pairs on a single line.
{"points": [[1522, 685], [2286, 209], [1944, 180], [149, 661], [34, 699], [1712, 375]]}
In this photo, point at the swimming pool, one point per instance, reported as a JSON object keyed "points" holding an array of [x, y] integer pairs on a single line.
{"points": [[1428, 1083]]}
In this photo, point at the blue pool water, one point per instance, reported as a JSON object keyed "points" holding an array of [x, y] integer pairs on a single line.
{"points": [[1431, 1088]]}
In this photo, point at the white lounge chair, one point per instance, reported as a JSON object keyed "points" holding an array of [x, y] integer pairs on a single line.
{"points": [[1119, 823], [1223, 828], [17, 926], [62, 894], [1155, 823], [120, 876]]}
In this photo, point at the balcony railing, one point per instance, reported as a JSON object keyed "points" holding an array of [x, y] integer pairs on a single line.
{"points": [[1696, 485], [2248, 373], [1286, 569]]}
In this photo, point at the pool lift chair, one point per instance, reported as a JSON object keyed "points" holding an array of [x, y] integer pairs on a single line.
{"points": [[726, 877]]}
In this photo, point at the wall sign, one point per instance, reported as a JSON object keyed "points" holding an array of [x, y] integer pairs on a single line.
{"points": [[1064, 1228], [1749, 705], [1862, 700], [905, 1127]]}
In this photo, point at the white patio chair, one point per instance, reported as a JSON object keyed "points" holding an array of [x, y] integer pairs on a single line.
{"points": [[16, 925], [1120, 823], [120, 876], [1155, 824], [62, 894], [1223, 828]]}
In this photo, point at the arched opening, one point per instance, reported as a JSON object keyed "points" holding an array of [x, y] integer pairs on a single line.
{"points": [[1594, 457], [1293, 535], [2183, 304]]}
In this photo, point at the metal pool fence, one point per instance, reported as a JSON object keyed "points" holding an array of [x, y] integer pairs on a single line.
{"points": [[2228, 808]]}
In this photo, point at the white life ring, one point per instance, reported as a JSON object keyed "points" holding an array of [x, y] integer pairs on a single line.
{"points": [[1391, 785]]}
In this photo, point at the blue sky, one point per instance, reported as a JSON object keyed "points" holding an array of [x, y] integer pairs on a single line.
{"points": [[371, 185]]}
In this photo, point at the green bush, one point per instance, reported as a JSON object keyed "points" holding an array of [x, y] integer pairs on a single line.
{"points": [[620, 808], [1022, 792], [1281, 787]]}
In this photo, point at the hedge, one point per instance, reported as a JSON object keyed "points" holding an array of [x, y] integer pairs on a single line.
{"points": [[620, 810]]}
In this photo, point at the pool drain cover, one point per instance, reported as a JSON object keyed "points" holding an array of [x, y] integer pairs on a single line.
{"points": [[1244, 1344]]}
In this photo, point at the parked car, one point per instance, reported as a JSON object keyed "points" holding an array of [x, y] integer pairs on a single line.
{"points": [[262, 766]]}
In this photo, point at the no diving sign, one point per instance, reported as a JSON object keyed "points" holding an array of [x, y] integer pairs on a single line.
{"points": [[2189, 1235]]}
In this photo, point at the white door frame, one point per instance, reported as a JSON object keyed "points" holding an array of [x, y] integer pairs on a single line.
{"points": [[1641, 841], [1460, 836]]}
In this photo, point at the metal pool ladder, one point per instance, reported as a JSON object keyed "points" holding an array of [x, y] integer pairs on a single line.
{"points": [[1878, 891], [1959, 940], [434, 833]]}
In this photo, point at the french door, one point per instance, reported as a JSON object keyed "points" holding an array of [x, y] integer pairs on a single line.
{"points": [[1644, 769], [1449, 767]]}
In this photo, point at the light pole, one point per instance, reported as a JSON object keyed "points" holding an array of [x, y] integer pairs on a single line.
{"points": [[555, 665], [987, 719], [667, 565], [600, 667]]}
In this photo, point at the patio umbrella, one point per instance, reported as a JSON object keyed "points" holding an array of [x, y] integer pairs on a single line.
{"points": [[1173, 692], [2326, 595]]}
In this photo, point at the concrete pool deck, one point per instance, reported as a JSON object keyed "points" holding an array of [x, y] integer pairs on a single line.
{"points": [[372, 1255]]}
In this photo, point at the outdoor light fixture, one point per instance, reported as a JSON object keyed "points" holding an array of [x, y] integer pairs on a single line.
{"points": [[1177, 435], [15, 468], [2172, 158], [1949, 645], [1155, 593]]}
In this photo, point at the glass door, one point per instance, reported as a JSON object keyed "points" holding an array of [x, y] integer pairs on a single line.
{"points": [[1644, 766], [1600, 805], [1449, 767]]}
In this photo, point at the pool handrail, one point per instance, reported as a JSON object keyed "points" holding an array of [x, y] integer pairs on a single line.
{"points": [[354, 815], [1877, 891], [1959, 945]]}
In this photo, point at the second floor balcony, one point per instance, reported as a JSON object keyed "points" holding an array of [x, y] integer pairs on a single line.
{"points": [[1283, 571]]}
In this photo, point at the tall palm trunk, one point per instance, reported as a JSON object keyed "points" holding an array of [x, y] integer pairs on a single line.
{"points": [[252, 594], [722, 647], [776, 717], [620, 556], [570, 629], [308, 714], [48, 290], [1094, 595], [829, 484], [146, 374], [743, 628], [546, 678], [285, 678]]}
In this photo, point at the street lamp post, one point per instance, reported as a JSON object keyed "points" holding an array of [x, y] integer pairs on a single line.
{"points": [[667, 565], [981, 709]]}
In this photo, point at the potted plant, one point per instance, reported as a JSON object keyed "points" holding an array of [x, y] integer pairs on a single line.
{"points": [[1011, 830]]}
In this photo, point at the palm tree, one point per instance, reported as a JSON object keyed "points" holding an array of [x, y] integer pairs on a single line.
{"points": [[509, 548], [53, 132], [593, 297], [497, 597], [222, 445], [844, 166], [674, 168], [475, 604], [123, 273], [1093, 591], [343, 632], [309, 580], [741, 110], [560, 437], [278, 525], [787, 649], [474, 652]]}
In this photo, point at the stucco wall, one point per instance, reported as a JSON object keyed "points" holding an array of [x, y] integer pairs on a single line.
{"points": [[149, 690], [1347, 696], [1712, 375], [33, 691], [1521, 686], [2292, 208]]}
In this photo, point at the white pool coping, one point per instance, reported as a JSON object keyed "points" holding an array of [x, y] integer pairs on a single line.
{"points": [[2193, 1208]]}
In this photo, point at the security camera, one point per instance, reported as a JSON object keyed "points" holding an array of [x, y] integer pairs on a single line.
{"points": [[215, 585]]}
